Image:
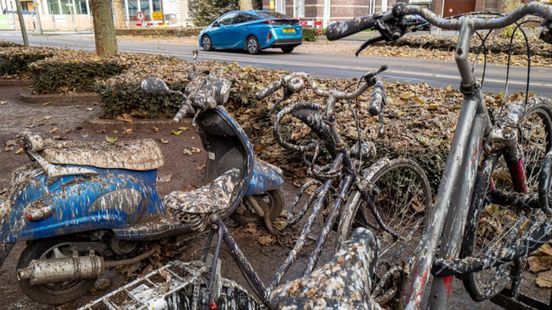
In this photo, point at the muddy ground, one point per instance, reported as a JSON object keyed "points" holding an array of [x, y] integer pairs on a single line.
{"points": [[179, 172]]}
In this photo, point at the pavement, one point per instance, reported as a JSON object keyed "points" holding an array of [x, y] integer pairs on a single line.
{"points": [[434, 72]]}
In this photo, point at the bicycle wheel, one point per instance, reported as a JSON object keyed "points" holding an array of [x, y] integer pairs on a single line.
{"points": [[493, 227], [402, 196]]}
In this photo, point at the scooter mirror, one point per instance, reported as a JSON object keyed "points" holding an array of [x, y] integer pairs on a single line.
{"points": [[155, 86]]}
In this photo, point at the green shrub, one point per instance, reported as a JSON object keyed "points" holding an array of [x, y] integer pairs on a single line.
{"points": [[310, 34], [122, 94], [14, 61], [71, 71], [9, 44], [205, 11], [160, 32]]}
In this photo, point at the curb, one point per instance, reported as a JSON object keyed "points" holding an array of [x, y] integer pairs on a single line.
{"points": [[8, 82], [60, 99]]}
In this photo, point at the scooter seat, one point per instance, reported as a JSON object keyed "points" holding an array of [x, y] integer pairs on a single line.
{"points": [[132, 155], [211, 198], [343, 283]]}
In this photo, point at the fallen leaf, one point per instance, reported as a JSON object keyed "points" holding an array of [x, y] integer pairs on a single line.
{"points": [[125, 117], [10, 145], [176, 132], [163, 141], [156, 129], [3, 102], [545, 249], [111, 139], [539, 263], [19, 151], [544, 279], [200, 167], [127, 131], [164, 178], [89, 109], [47, 117], [53, 130]]}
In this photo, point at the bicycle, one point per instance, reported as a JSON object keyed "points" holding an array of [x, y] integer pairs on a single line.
{"points": [[479, 142], [388, 196]]}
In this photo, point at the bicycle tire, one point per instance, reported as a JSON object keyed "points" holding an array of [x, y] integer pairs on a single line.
{"points": [[480, 210], [357, 214]]}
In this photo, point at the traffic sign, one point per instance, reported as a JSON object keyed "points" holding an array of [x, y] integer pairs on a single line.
{"points": [[157, 15], [140, 16]]}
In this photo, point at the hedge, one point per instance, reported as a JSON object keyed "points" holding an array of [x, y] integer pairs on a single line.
{"points": [[14, 61], [122, 94], [9, 44], [72, 71], [160, 32], [495, 44]]}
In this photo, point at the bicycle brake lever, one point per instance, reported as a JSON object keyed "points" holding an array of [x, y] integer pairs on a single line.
{"points": [[370, 75], [367, 43]]}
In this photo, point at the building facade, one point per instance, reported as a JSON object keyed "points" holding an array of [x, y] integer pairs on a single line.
{"points": [[332, 10], [455, 7], [74, 15]]}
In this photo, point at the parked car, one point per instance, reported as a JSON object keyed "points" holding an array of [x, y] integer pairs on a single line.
{"points": [[252, 31]]}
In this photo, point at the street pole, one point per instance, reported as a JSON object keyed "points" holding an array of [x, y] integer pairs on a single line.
{"points": [[38, 21], [22, 23]]}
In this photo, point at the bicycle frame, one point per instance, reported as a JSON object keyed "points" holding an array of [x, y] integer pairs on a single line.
{"points": [[450, 212], [261, 289]]}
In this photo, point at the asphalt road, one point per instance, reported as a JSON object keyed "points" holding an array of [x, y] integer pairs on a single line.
{"points": [[436, 73]]}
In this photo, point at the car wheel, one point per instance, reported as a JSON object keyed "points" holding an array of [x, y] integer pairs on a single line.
{"points": [[287, 49], [206, 43], [252, 45]]}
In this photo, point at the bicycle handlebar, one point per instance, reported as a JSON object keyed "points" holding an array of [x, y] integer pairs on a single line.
{"points": [[346, 28]]}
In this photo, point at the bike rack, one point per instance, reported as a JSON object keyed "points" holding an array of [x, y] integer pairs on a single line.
{"points": [[508, 300], [511, 298]]}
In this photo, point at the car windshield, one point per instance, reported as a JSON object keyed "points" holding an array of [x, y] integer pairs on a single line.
{"points": [[273, 15]]}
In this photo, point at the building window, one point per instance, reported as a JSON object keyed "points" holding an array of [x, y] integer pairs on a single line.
{"points": [[53, 7], [132, 9], [66, 7], [145, 7], [156, 5], [81, 7]]}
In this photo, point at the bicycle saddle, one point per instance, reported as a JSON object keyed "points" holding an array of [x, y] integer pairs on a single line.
{"points": [[343, 283]]}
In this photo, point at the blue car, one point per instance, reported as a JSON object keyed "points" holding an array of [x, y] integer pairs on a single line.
{"points": [[252, 31]]}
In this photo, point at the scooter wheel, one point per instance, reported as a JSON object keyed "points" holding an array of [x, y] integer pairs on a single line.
{"points": [[273, 201], [54, 293]]}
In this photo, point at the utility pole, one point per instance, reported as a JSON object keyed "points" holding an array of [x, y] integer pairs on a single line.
{"points": [[38, 21], [22, 23]]}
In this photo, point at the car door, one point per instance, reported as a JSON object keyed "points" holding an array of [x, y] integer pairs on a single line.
{"points": [[218, 34], [238, 31]]}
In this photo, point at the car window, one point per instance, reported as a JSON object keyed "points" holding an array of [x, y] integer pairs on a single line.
{"points": [[272, 15], [243, 18], [227, 19]]}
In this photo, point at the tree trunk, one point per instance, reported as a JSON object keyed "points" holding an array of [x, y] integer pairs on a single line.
{"points": [[119, 14], [104, 29], [246, 4]]}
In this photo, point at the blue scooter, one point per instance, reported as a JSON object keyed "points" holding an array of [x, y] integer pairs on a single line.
{"points": [[84, 207]]}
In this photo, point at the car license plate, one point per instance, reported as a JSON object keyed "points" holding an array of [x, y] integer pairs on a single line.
{"points": [[289, 30]]}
